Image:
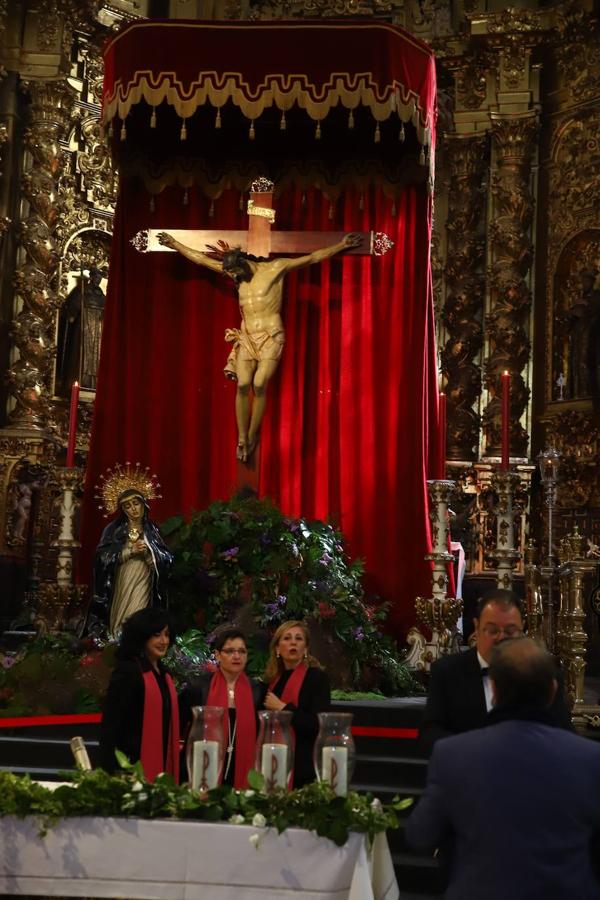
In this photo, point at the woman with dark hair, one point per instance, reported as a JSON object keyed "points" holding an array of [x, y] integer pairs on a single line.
{"points": [[230, 688], [131, 565], [141, 715], [298, 684]]}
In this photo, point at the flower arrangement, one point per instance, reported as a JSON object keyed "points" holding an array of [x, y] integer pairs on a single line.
{"points": [[245, 554], [55, 674], [314, 807]]}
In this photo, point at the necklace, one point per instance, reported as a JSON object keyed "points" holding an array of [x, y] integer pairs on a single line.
{"points": [[230, 748]]}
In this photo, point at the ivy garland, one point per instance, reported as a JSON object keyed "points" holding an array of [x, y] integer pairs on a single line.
{"points": [[245, 551], [314, 807]]}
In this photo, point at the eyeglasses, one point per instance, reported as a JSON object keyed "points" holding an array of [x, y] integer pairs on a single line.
{"points": [[231, 650], [510, 631]]}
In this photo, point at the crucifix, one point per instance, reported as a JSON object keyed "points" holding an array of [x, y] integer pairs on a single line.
{"points": [[245, 256]]}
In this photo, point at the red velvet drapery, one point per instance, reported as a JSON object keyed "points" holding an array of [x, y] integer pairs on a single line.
{"points": [[345, 433]]}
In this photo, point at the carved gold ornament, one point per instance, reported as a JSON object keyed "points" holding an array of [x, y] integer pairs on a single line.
{"points": [[125, 478]]}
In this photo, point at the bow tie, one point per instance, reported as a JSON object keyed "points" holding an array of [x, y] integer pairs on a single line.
{"points": [[484, 671]]}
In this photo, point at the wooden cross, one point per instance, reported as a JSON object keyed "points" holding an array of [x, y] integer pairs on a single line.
{"points": [[261, 241]]}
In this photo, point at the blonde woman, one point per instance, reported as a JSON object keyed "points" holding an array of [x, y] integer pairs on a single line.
{"points": [[298, 684]]}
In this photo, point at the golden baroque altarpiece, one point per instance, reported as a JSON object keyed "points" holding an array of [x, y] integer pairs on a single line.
{"points": [[516, 255]]}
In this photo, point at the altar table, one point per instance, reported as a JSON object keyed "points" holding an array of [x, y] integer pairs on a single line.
{"points": [[175, 860]]}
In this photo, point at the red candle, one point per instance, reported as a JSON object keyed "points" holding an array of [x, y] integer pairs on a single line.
{"points": [[72, 425], [505, 456], [442, 436]]}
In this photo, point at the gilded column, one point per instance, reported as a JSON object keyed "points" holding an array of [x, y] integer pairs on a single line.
{"points": [[514, 141], [33, 326], [463, 309]]}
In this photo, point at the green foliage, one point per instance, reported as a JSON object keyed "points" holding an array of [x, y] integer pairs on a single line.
{"points": [[56, 674], [247, 551], [314, 807]]}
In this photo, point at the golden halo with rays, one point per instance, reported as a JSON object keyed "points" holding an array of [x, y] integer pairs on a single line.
{"points": [[125, 478]]}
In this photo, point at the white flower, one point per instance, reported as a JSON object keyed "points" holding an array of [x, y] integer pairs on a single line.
{"points": [[259, 821], [237, 819], [254, 840], [137, 787], [249, 793], [376, 803]]}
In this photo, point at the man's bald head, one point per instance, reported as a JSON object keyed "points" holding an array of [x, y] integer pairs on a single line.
{"points": [[523, 673]]}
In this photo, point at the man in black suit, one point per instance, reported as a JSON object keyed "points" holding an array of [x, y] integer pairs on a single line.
{"points": [[460, 692], [518, 799]]}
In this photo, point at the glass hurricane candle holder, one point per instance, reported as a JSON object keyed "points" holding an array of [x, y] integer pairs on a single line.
{"points": [[334, 753], [275, 748], [205, 748]]}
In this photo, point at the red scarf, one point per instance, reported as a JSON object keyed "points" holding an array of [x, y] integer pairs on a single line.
{"points": [[152, 751], [245, 717], [291, 693]]}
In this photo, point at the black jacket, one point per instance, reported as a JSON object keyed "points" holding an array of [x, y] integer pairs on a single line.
{"points": [[314, 697], [456, 700]]}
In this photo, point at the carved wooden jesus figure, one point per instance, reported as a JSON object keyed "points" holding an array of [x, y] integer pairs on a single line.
{"points": [[258, 343]]}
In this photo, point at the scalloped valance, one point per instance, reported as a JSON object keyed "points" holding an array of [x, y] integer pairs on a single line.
{"points": [[259, 66]]}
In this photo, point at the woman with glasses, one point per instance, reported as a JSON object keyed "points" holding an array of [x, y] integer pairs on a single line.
{"points": [[230, 688]]}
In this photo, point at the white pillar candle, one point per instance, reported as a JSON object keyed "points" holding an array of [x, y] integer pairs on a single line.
{"points": [[274, 765], [205, 765], [335, 769]]}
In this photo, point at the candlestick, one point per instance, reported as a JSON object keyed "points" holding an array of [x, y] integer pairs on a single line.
{"points": [[505, 456], [442, 436], [72, 425]]}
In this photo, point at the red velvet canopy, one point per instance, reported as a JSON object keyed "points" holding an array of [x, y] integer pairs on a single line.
{"points": [[346, 432]]}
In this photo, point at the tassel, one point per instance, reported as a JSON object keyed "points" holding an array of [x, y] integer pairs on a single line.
{"points": [[303, 199], [351, 120], [422, 157], [401, 135], [331, 212], [123, 131], [211, 210], [394, 210], [218, 118], [110, 129], [185, 198], [283, 123], [377, 137], [152, 204], [318, 132], [251, 133], [183, 132], [241, 203], [153, 118]]}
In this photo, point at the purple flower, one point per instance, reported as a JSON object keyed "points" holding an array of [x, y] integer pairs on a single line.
{"points": [[231, 553], [281, 600], [271, 609], [8, 660], [294, 527], [326, 559], [358, 634]]}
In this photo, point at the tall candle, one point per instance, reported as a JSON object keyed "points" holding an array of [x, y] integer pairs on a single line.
{"points": [[274, 765], [72, 425], [335, 769], [505, 454], [442, 436], [205, 765]]}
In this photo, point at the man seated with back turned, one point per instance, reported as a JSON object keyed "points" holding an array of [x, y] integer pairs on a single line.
{"points": [[460, 693], [518, 799]]}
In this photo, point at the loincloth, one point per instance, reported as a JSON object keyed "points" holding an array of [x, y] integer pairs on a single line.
{"points": [[253, 346]]}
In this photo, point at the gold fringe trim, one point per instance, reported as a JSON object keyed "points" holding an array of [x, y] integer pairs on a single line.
{"points": [[281, 91], [218, 119], [153, 118]]}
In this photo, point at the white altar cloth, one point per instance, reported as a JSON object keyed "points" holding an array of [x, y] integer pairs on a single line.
{"points": [[175, 860]]}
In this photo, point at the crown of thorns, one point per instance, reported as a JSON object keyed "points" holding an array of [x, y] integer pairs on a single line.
{"points": [[219, 251]]}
